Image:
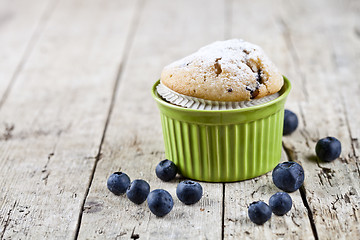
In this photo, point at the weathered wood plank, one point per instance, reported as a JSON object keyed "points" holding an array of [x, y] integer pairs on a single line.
{"points": [[21, 23], [133, 142], [237, 225], [344, 36], [264, 30], [331, 188], [54, 118]]}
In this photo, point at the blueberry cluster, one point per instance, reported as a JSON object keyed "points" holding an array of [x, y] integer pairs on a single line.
{"points": [[137, 191], [288, 176], [280, 203], [160, 201]]}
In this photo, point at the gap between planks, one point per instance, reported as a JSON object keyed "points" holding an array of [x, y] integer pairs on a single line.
{"points": [[44, 19], [290, 46], [227, 35], [302, 191], [223, 212], [123, 61]]}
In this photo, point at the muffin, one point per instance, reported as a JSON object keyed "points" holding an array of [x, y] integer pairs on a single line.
{"points": [[222, 112], [232, 70]]}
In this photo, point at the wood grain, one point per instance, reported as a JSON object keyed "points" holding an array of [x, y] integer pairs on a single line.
{"points": [[133, 141], [238, 197], [53, 119], [331, 188], [20, 28]]}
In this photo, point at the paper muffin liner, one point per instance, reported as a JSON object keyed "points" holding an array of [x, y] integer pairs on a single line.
{"points": [[202, 104]]}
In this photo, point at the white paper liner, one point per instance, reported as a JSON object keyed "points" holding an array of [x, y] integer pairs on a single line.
{"points": [[202, 104]]}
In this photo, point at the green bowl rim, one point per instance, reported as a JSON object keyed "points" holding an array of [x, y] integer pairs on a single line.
{"points": [[283, 95]]}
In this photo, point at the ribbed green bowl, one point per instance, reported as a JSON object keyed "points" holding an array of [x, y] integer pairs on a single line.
{"points": [[223, 145]]}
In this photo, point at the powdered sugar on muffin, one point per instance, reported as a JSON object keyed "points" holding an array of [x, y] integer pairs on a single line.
{"points": [[232, 70]]}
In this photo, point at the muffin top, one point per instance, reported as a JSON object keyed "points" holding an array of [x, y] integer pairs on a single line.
{"points": [[232, 70]]}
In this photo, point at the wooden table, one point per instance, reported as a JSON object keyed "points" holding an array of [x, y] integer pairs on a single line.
{"points": [[75, 106]]}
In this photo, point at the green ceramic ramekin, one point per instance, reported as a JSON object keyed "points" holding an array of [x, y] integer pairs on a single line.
{"points": [[223, 145]]}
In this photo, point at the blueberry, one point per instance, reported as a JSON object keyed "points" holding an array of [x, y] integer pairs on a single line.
{"points": [[138, 191], [189, 192], [160, 202], [259, 212], [118, 182], [280, 203], [166, 170], [290, 122], [288, 176], [328, 149]]}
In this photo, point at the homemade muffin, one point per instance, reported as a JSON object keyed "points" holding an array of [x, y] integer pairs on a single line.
{"points": [[232, 70]]}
